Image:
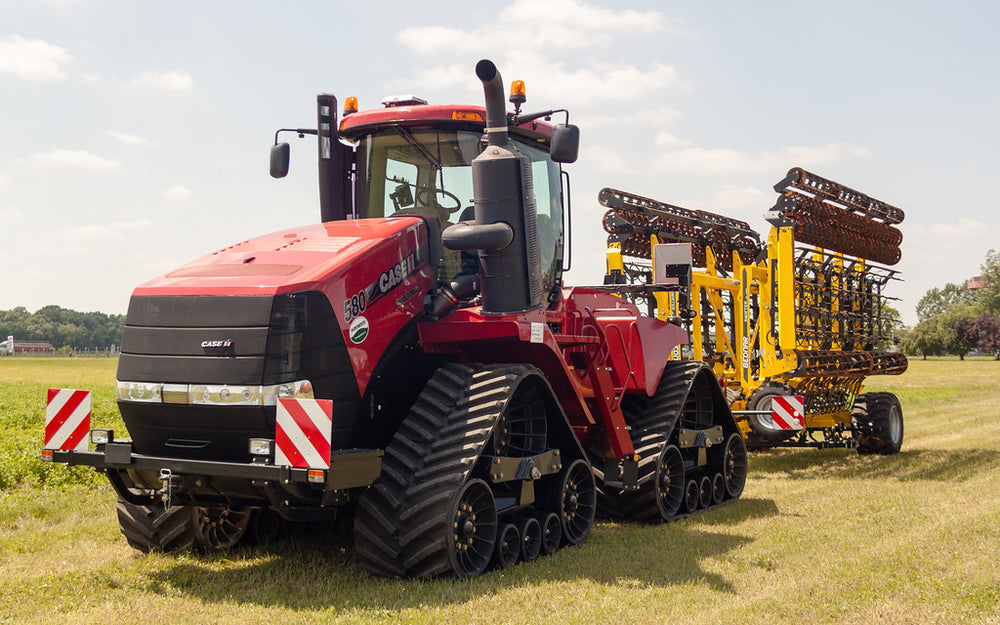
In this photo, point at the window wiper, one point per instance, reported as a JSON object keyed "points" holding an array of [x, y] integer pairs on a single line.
{"points": [[420, 147]]}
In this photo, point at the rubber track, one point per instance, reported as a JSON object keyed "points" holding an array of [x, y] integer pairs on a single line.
{"points": [[652, 421], [403, 523], [154, 528]]}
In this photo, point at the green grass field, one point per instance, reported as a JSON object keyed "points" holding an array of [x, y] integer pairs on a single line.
{"points": [[818, 537]]}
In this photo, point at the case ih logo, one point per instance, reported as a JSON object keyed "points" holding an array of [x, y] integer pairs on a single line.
{"points": [[386, 282], [217, 344]]}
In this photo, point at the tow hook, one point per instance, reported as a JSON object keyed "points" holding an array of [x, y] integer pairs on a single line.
{"points": [[170, 483]]}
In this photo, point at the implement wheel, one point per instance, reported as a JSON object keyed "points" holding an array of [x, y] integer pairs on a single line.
{"points": [[763, 426], [878, 423]]}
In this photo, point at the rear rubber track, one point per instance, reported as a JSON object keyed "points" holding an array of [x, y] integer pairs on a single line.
{"points": [[652, 421]]}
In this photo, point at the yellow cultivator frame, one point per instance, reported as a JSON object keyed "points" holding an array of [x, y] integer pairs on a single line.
{"points": [[801, 313]]}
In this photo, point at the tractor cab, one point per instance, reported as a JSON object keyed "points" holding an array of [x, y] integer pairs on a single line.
{"points": [[414, 159]]}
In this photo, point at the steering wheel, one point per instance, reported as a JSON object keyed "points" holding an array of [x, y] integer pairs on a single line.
{"points": [[423, 193]]}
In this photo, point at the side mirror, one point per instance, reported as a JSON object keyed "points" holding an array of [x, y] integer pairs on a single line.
{"points": [[279, 160], [565, 143]]}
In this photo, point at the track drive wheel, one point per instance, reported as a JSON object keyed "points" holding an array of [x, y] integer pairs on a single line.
{"points": [[878, 423], [474, 529], [181, 528]]}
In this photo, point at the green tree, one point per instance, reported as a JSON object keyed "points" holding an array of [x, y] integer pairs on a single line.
{"points": [[927, 338], [990, 293], [958, 320], [937, 301]]}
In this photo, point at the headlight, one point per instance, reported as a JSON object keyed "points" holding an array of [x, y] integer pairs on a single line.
{"points": [[139, 391], [213, 394]]}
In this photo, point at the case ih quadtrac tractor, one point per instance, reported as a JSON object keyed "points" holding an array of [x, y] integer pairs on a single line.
{"points": [[414, 359]]}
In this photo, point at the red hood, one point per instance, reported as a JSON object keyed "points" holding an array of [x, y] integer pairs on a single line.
{"points": [[290, 260]]}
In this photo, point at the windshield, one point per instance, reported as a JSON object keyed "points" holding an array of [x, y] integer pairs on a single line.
{"points": [[428, 171]]}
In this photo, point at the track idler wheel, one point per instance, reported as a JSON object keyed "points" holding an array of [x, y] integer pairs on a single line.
{"points": [[575, 501], [669, 482], [474, 529], [734, 465]]}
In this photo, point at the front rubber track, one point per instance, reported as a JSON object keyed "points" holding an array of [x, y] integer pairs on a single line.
{"points": [[403, 523]]}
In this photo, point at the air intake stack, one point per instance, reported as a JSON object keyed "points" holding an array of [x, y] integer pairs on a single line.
{"points": [[505, 231]]}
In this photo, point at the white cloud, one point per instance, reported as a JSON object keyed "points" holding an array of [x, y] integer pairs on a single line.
{"points": [[174, 80], [717, 161], [79, 159], [127, 139], [32, 59], [101, 232], [176, 192], [961, 230], [559, 24], [666, 140], [136, 224]]}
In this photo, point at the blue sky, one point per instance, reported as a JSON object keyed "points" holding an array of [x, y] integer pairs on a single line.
{"points": [[135, 134]]}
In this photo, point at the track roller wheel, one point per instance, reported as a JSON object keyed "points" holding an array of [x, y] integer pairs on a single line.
{"points": [[718, 488], [733, 462], [551, 532], [531, 538], [705, 491], [508, 547], [692, 495], [474, 529], [575, 501], [878, 423]]}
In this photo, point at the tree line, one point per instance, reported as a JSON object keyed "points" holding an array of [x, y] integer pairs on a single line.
{"points": [[955, 319], [62, 327]]}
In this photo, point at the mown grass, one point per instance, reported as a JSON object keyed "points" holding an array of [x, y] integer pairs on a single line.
{"points": [[818, 537]]}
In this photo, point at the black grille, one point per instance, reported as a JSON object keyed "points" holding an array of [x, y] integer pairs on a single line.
{"points": [[246, 340]]}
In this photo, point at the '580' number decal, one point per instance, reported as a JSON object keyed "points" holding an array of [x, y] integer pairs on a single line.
{"points": [[387, 281]]}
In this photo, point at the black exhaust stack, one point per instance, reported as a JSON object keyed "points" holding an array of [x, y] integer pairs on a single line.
{"points": [[505, 230]]}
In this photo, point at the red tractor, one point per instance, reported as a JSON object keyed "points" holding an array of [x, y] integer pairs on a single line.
{"points": [[414, 359]]}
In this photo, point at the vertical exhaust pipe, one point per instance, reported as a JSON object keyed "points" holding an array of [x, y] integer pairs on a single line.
{"points": [[505, 230]]}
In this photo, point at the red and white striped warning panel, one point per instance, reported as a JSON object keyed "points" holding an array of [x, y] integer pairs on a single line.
{"points": [[302, 433], [67, 419], [788, 412]]}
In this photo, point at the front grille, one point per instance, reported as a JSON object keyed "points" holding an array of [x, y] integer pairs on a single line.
{"points": [[237, 340]]}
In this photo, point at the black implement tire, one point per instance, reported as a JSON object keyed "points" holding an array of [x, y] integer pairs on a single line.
{"points": [[878, 423]]}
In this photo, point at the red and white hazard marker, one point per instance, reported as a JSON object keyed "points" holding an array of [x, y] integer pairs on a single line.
{"points": [[67, 419], [788, 412], [302, 433]]}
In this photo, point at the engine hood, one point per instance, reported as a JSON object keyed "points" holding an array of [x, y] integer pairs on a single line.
{"points": [[297, 259]]}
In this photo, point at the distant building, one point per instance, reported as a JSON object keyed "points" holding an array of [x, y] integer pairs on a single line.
{"points": [[975, 282], [33, 347]]}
